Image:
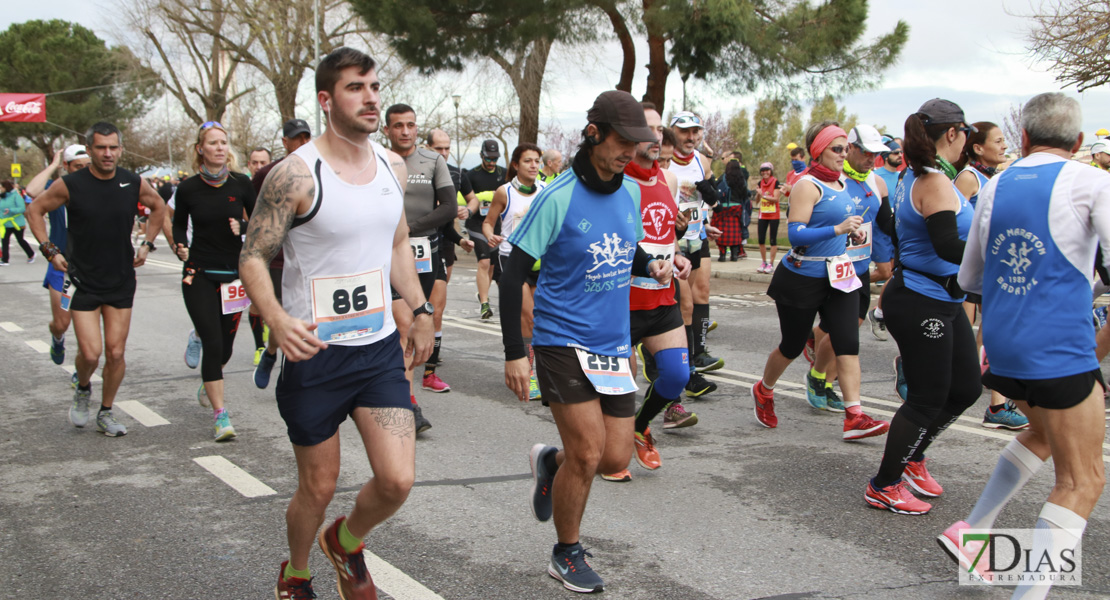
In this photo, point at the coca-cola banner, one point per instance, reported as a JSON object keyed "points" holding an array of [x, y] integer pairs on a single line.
{"points": [[23, 108]]}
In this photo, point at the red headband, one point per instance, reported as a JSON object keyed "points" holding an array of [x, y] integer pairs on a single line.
{"points": [[823, 139]]}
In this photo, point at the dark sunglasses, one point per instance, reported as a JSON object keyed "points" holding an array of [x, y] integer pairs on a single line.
{"points": [[838, 149]]}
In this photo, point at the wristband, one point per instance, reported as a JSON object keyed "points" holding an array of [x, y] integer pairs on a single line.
{"points": [[49, 250]]}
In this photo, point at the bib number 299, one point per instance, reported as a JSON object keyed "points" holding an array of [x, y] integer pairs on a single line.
{"points": [[603, 363]]}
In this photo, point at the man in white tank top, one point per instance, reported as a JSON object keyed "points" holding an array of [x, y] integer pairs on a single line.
{"points": [[336, 208]]}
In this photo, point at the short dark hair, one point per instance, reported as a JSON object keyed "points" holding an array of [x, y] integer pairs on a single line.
{"points": [[588, 142], [649, 106], [797, 151], [103, 128], [327, 72], [399, 109], [669, 138], [269, 154]]}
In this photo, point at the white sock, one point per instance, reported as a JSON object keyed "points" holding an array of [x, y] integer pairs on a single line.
{"points": [[1015, 467], [1057, 529], [878, 313]]}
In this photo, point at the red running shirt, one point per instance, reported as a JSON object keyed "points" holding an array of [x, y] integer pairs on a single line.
{"points": [[658, 210]]}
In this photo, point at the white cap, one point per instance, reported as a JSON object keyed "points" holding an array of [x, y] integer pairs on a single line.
{"points": [[868, 138], [1100, 146], [74, 152]]}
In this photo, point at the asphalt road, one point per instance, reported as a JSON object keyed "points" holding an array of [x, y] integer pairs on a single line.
{"points": [[737, 511]]}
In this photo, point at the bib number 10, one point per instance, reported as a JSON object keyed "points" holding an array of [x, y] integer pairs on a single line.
{"points": [[343, 301]]}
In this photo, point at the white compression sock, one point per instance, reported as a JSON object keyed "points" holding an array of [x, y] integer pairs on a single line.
{"points": [[1057, 529], [1015, 467]]}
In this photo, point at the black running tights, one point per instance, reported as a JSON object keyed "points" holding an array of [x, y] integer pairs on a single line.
{"points": [[18, 233], [941, 368], [215, 329]]}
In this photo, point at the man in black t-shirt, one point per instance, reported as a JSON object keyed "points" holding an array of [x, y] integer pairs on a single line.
{"points": [[485, 179], [100, 262]]}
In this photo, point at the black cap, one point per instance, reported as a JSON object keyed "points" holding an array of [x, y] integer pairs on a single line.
{"points": [[938, 111], [490, 150], [295, 127], [624, 113]]}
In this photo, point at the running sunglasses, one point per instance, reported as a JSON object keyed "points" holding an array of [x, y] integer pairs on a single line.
{"points": [[838, 149], [967, 129], [686, 121], [209, 124]]}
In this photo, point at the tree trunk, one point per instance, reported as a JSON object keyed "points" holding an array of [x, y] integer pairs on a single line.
{"points": [[528, 84], [628, 49], [658, 69], [286, 92]]}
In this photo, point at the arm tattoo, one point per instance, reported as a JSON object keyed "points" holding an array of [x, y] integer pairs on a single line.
{"points": [[397, 421], [275, 209]]}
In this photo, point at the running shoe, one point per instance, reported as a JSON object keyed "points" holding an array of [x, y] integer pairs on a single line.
{"points": [[202, 397], [570, 567], [542, 478], [107, 424], [918, 478], [354, 581], [895, 498], [815, 391], [699, 386], [433, 383], [676, 417], [263, 370], [258, 352], [4, 263], [534, 388], [900, 379], [764, 268], [224, 430], [857, 427], [764, 405], [647, 363], [878, 326], [31, 260], [422, 424], [712, 326], [487, 312], [1007, 417], [73, 379], [192, 350], [58, 350], [703, 363], [809, 351], [833, 403], [79, 412], [293, 588], [646, 454], [619, 477], [964, 554]]}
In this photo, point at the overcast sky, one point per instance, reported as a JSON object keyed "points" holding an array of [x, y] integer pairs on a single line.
{"points": [[969, 52]]}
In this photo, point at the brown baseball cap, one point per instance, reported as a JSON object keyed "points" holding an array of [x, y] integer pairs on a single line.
{"points": [[624, 113]]}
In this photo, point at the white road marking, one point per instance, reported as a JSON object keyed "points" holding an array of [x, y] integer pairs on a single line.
{"points": [[471, 326], [142, 414], [395, 582], [38, 346], [72, 369], [237, 478], [10, 327], [164, 265]]}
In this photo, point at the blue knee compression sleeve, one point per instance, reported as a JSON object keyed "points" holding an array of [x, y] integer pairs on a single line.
{"points": [[674, 372]]}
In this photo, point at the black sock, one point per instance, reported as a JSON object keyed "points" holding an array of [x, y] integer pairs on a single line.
{"points": [[690, 342], [937, 427], [105, 408], [652, 406], [902, 440], [85, 388], [430, 366], [256, 329], [561, 546], [701, 327]]}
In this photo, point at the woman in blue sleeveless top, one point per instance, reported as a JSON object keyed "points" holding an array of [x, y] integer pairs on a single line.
{"points": [[922, 306]]}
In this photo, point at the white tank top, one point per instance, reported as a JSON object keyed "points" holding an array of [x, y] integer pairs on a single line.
{"points": [[337, 255], [516, 205], [688, 196]]}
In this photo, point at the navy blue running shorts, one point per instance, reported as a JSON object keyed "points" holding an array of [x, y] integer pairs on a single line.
{"points": [[561, 380], [1056, 393], [316, 395], [54, 279]]}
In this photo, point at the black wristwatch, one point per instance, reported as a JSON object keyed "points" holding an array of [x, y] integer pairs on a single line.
{"points": [[149, 244], [426, 309]]}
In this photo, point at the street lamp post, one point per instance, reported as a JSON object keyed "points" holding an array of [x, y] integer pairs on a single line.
{"points": [[458, 141]]}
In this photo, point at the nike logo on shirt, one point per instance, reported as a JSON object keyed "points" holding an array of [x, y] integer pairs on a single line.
{"points": [[124, 184]]}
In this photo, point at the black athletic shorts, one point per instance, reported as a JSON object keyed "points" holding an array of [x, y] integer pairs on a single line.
{"points": [[561, 380], [1056, 393], [314, 396], [864, 293], [654, 321], [705, 249], [447, 251], [499, 262], [481, 245], [694, 258], [122, 298], [428, 280]]}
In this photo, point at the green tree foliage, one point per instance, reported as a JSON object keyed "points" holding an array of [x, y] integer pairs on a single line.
{"points": [[740, 128], [86, 77], [825, 109], [442, 34], [768, 117]]}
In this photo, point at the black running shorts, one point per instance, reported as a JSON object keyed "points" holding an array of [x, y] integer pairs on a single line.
{"points": [[1055, 393], [122, 298], [655, 321], [562, 381]]}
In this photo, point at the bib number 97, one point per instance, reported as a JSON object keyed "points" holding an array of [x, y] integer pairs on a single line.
{"points": [[343, 301], [845, 270]]}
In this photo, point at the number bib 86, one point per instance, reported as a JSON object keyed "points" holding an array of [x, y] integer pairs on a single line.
{"points": [[349, 306]]}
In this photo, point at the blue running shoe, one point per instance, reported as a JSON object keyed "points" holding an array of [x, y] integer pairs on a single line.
{"points": [[542, 478], [57, 350], [833, 402], [900, 379], [1007, 417], [73, 379], [262, 371], [570, 567], [192, 351], [815, 392]]}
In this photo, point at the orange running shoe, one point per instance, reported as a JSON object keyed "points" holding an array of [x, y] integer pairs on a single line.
{"points": [[619, 476], [354, 581], [646, 454], [857, 427], [895, 498], [917, 477], [764, 405]]}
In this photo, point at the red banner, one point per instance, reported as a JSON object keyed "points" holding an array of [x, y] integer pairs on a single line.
{"points": [[23, 108]]}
